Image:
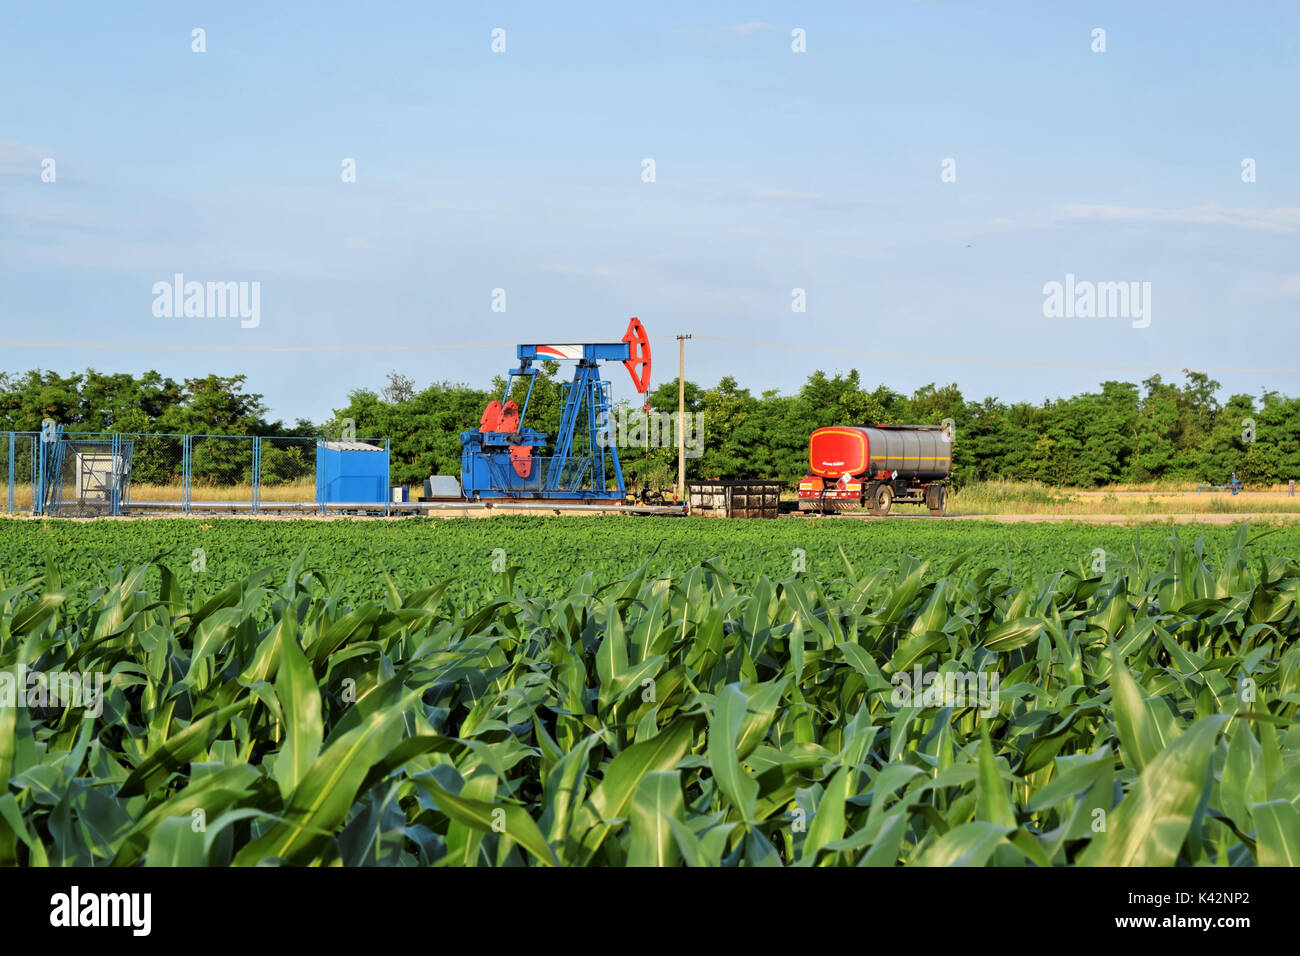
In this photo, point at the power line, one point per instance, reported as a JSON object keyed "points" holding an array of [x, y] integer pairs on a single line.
{"points": [[783, 346], [1015, 363], [179, 347]]}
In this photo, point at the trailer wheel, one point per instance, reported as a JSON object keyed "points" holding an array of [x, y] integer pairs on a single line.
{"points": [[881, 497], [937, 500]]}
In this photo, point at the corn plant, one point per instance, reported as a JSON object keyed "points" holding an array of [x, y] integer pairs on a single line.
{"points": [[1141, 716]]}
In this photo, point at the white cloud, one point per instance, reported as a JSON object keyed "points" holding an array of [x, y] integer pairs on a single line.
{"points": [[749, 28], [596, 271], [753, 232], [1278, 219], [713, 191], [745, 29], [21, 159], [785, 195]]}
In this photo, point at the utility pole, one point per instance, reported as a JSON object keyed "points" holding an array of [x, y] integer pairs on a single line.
{"points": [[681, 417]]}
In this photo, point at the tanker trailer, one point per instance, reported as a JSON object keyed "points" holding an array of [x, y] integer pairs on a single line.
{"points": [[877, 466]]}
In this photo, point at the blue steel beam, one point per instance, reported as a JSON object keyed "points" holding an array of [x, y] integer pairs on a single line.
{"points": [[588, 352]]}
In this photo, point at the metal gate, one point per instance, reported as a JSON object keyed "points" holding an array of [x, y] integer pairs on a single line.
{"points": [[85, 476]]}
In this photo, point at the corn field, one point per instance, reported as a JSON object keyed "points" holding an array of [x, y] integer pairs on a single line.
{"points": [[926, 716]]}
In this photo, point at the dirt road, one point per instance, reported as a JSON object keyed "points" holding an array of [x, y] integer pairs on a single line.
{"points": [[1199, 518]]}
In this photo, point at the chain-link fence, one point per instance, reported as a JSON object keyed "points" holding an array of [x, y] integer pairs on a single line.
{"points": [[86, 474], [18, 461], [288, 469], [223, 472], [159, 473]]}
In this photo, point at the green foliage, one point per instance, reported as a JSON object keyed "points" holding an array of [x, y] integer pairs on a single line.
{"points": [[711, 715], [414, 552], [1120, 433], [95, 402], [150, 403]]}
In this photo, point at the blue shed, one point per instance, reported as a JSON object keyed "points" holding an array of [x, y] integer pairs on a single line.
{"points": [[351, 471]]}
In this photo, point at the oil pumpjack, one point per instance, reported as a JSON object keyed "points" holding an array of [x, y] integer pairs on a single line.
{"points": [[504, 458]]}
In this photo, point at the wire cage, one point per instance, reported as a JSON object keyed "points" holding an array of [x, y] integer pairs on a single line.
{"points": [[82, 475], [71, 474], [95, 474], [18, 461]]}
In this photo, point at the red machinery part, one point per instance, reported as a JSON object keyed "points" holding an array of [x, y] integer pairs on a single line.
{"points": [[521, 460], [499, 418], [509, 418], [505, 418], [638, 360], [487, 422]]}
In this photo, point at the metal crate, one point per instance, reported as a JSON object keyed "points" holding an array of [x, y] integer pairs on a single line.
{"points": [[734, 499]]}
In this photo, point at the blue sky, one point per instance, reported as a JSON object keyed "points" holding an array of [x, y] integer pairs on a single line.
{"points": [[774, 170]]}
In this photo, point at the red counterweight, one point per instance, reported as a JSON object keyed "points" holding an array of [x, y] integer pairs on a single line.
{"points": [[638, 360], [499, 418], [505, 418]]}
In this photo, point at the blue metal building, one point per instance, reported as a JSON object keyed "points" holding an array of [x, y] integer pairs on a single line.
{"points": [[351, 471]]}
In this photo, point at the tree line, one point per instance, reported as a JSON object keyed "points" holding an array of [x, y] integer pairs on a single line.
{"points": [[161, 409], [1122, 432]]}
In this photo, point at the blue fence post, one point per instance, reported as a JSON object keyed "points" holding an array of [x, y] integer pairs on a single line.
{"points": [[11, 472], [388, 482], [115, 475], [322, 479], [39, 498], [187, 454], [33, 463], [257, 472]]}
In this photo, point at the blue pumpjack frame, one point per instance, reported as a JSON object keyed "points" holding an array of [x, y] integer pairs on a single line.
{"points": [[565, 474]]}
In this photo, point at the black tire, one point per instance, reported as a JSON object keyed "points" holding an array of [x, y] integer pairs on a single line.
{"points": [[880, 497], [938, 502]]}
